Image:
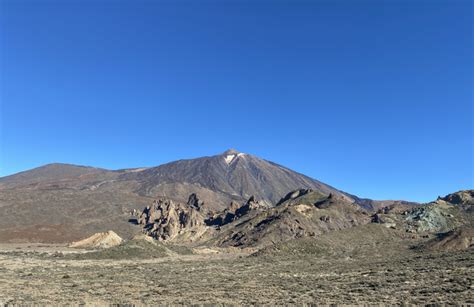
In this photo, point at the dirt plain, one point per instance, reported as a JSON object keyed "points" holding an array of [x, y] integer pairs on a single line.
{"points": [[55, 274]]}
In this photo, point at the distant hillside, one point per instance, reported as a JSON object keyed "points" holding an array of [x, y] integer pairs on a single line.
{"points": [[55, 172]]}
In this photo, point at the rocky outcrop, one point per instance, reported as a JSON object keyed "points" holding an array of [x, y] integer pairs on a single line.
{"points": [[442, 215], [302, 213], [429, 218], [463, 199], [225, 217], [234, 212], [166, 220], [294, 194], [252, 205]]}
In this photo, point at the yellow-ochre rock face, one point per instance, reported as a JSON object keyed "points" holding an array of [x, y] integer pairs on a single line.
{"points": [[99, 240]]}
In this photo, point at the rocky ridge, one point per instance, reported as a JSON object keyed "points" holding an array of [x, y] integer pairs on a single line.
{"points": [[301, 213]]}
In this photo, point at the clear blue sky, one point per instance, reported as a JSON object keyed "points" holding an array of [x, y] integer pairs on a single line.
{"points": [[372, 97]]}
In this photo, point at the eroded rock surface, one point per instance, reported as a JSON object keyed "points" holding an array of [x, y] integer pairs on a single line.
{"points": [[166, 220], [300, 214]]}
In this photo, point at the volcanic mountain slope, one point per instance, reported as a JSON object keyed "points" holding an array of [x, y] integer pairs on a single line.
{"points": [[231, 175], [56, 173], [217, 179], [63, 202]]}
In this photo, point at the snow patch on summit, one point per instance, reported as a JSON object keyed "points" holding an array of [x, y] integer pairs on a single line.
{"points": [[229, 158]]}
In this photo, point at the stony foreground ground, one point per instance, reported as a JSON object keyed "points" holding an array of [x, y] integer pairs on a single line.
{"points": [[31, 277]]}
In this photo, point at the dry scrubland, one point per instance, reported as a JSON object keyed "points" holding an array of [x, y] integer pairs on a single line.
{"points": [[302, 271]]}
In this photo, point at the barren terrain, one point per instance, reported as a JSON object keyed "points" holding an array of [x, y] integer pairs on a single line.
{"points": [[298, 273]]}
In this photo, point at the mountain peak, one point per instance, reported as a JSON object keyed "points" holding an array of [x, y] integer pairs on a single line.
{"points": [[230, 155], [230, 151]]}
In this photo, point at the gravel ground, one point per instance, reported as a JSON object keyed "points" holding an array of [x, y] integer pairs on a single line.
{"points": [[28, 276]]}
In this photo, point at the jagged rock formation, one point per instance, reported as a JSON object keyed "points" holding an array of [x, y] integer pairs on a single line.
{"points": [[224, 217], [463, 199], [166, 220], [295, 194], [99, 240], [234, 212], [301, 213], [251, 206]]}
